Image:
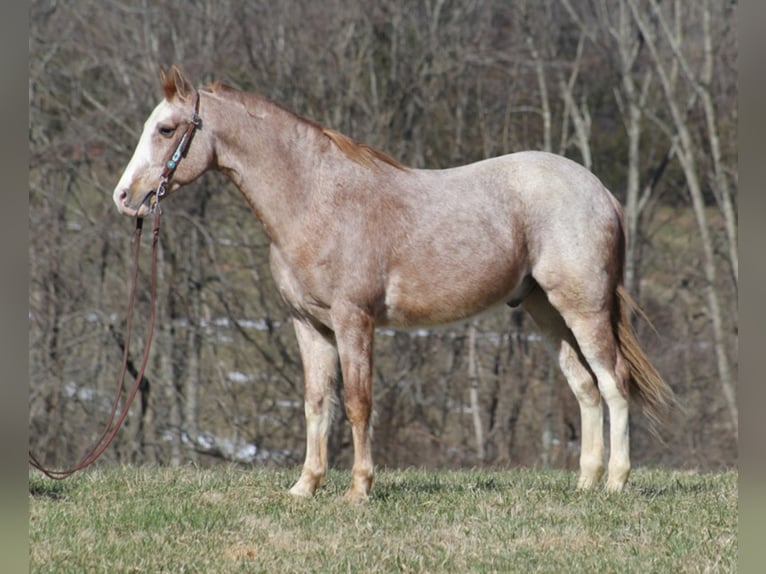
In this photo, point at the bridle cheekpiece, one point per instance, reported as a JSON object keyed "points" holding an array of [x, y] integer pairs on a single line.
{"points": [[181, 149]]}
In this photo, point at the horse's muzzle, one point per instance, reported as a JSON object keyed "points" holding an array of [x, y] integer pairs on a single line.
{"points": [[142, 208]]}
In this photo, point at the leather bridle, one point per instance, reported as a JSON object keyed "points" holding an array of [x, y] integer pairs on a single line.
{"points": [[182, 148]]}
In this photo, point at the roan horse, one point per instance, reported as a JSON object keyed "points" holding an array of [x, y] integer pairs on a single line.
{"points": [[360, 241]]}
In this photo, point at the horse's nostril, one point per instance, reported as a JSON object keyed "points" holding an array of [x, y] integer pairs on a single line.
{"points": [[123, 195]]}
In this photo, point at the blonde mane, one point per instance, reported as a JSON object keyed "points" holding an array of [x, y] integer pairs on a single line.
{"points": [[360, 153]]}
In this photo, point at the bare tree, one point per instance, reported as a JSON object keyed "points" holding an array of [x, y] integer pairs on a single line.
{"points": [[686, 151], [630, 88]]}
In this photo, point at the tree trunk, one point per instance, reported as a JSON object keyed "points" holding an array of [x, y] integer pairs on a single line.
{"points": [[473, 379], [193, 343], [166, 349], [702, 87]]}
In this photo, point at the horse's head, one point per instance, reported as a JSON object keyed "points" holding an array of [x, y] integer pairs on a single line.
{"points": [[159, 142]]}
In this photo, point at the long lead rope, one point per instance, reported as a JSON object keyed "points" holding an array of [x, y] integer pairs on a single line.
{"points": [[111, 427], [154, 197]]}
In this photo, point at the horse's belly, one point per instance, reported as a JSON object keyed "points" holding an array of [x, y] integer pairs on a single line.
{"points": [[442, 296]]}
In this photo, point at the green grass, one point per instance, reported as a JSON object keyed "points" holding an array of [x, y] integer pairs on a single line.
{"points": [[234, 520]]}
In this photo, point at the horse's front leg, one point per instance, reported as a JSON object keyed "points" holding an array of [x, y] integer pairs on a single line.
{"points": [[354, 332], [320, 366]]}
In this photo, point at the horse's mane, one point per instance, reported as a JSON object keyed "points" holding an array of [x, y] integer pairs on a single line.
{"points": [[361, 153]]}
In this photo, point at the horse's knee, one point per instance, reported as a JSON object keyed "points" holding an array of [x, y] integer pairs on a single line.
{"points": [[358, 408], [318, 405]]}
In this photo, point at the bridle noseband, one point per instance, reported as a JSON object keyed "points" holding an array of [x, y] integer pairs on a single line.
{"points": [[182, 148]]}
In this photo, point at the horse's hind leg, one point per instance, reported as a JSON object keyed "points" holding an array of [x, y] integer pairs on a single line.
{"points": [[580, 380], [320, 365], [591, 324]]}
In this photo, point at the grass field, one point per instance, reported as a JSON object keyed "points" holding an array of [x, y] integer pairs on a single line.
{"points": [[235, 520]]}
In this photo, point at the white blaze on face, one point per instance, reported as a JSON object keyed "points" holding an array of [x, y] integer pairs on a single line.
{"points": [[143, 159]]}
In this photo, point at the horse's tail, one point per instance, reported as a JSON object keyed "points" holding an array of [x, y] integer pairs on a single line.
{"points": [[645, 384]]}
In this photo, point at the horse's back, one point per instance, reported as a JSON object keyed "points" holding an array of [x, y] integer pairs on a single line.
{"points": [[531, 180], [537, 197], [546, 180]]}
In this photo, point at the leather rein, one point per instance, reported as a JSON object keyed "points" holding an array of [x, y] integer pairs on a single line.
{"points": [[111, 427]]}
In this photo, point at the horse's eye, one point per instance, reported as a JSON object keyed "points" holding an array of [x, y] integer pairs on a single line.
{"points": [[166, 131]]}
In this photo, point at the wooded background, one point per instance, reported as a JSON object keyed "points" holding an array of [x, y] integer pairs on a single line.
{"points": [[642, 92]]}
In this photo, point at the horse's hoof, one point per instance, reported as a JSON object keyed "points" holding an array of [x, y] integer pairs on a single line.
{"points": [[356, 497], [300, 490]]}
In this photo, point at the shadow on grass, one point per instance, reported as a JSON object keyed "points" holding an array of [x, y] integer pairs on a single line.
{"points": [[674, 489], [47, 488], [685, 484], [554, 483], [392, 487]]}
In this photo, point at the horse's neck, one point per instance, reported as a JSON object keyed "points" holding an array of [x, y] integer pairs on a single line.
{"points": [[265, 152]]}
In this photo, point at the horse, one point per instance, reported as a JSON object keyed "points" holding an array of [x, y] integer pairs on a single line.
{"points": [[359, 241]]}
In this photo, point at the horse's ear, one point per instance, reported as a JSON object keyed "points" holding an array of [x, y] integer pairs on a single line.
{"points": [[174, 83], [168, 85]]}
